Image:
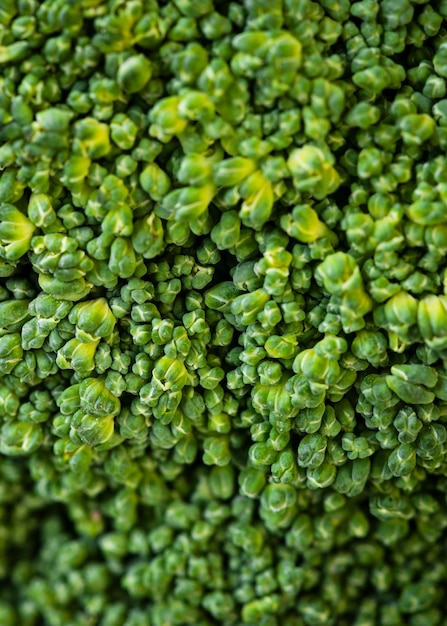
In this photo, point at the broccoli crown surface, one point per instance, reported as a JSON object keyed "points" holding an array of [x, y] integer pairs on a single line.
{"points": [[223, 313]]}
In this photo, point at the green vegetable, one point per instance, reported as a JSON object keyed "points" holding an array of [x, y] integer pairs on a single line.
{"points": [[223, 312]]}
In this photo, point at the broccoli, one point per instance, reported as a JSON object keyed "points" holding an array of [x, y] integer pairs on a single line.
{"points": [[223, 312]]}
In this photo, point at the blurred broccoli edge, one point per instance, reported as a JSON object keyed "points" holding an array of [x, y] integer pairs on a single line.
{"points": [[223, 313]]}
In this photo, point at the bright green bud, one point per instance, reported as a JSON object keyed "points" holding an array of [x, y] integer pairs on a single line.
{"points": [[363, 115], [254, 611], [281, 347], [251, 482], [311, 450], [123, 131], [155, 181], [252, 42], [247, 306], [315, 367], [75, 170], [399, 312], [148, 236], [232, 172], [431, 319], [409, 392], [188, 203], [14, 52], [11, 352], [195, 105], [13, 314], [9, 402], [40, 210], [376, 390], [216, 451], [93, 431], [258, 196], [134, 73], [117, 222], [261, 454], [77, 355], [371, 346], [373, 80], [210, 377], [16, 232], [313, 172], [93, 137], [96, 399], [17, 439], [93, 319], [226, 232], [171, 373], [284, 53], [416, 128], [165, 119], [426, 212], [122, 261], [304, 224], [339, 273], [68, 401]]}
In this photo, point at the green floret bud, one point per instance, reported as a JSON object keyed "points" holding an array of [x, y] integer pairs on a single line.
{"points": [[416, 128], [155, 181], [372, 346], [232, 172], [402, 460], [93, 319], [313, 171], [91, 430], [93, 137], [363, 115], [148, 236], [171, 373], [17, 439], [304, 224], [11, 352], [409, 392], [16, 232], [352, 477], [40, 210], [13, 315], [311, 450], [77, 355], [415, 373], [165, 119], [431, 319], [134, 73], [96, 399], [251, 482], [284, 347], [278, 505], [54, 119]]}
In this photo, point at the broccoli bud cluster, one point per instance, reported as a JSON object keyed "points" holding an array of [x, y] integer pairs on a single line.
{"points": [[223, 312]]}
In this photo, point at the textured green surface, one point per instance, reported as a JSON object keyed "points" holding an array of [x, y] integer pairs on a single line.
{"points": [[223, 313]]}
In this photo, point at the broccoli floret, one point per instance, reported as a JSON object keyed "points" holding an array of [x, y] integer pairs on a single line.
{"points": [[223, 312]]}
